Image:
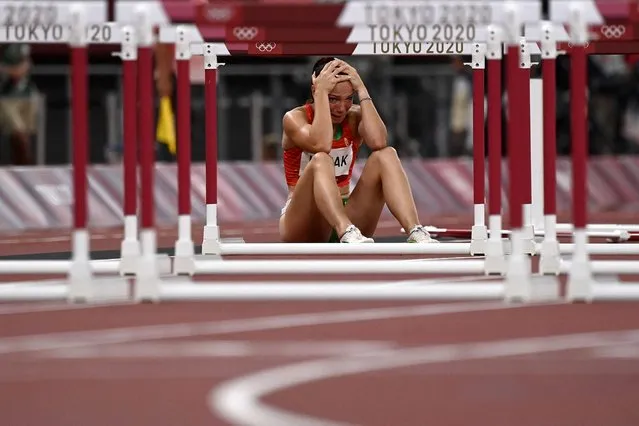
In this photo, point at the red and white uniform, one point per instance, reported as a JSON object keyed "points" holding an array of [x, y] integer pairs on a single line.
{"points": [[343, 151]]}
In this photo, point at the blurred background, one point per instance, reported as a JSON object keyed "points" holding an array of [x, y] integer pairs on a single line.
{"points": [[426, 103]]}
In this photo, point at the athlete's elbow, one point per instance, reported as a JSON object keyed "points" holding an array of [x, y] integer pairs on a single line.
{"points": [[320, 147], [377, 143]]}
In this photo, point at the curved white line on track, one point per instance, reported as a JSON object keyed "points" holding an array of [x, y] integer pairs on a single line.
{"points": [[238, 400]]}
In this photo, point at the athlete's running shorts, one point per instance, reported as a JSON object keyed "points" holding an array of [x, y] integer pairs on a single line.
{"points": [[334, 238]]}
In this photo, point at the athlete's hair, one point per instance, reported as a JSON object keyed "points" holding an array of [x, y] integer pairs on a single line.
{"points": [[320, 63], [317, 69]]}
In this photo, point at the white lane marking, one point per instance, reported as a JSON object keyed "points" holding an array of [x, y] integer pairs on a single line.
{"points": [[40, 342], [221, 349], [238, 401], [628, 351]]}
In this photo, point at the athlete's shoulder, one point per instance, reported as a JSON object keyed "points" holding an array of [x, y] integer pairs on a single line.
{"points": [[293, 122], [296, 115]]}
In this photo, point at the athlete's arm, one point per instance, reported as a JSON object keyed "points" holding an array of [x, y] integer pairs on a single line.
{"points": [[371, 126], [310, 137]]}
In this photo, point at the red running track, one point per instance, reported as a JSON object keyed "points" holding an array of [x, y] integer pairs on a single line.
{"points": [[285, 363]]}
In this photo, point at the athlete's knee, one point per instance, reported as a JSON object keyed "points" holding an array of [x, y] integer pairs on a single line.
{"points": [[387, 154], [321, 161]]}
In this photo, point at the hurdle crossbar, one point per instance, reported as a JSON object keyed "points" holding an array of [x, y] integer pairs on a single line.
{"points": [[97, 266], [201, 291], [338, 266], [605, 267], [226, 249]]}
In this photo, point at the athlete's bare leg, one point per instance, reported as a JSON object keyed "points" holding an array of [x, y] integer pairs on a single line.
{"points": [[383, 181], [315, 208]]}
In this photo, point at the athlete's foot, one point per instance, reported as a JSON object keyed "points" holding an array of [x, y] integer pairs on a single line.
{"points": [[419, 234], [354, 235]]}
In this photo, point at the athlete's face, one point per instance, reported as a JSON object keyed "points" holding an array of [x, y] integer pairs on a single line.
{"points": [[340, 101]]}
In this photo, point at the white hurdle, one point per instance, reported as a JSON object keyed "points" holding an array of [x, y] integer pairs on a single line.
{"points": [[210, 262], [79, 269], [518, 285]]}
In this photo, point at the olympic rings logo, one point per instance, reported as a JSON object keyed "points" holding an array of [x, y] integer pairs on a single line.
{"points": [[265, 47], [613, 31], [245, 33]]}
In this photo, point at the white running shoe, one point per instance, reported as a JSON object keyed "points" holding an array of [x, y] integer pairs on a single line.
{"points": [[354, 235], [419, 234]]}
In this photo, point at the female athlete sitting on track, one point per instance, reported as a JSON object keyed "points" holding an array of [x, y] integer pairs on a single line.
{"points": [[320, 141]]}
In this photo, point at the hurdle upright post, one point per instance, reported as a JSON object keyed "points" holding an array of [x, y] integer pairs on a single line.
{"points": [[130, 247], [211, 235], [580, 279], [183, 262], [523, 81], [80, 273], [147, 274], [495, 260], [478, 233], [549, 260], [518, 283]]}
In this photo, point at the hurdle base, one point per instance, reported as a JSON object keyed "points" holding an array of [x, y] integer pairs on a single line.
{"points": [[147, 276], [183, 263], [580, 282], [518, 277], [550, 259], [580, 278], [80, 282], [211, 240], [528, 239], [518, 287], [129, 256], [495, 258], [110, 290], [479, 236]]}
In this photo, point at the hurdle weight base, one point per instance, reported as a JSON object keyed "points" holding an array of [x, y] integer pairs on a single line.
{"points": [[183, 265], [580, 282], [147, 281], [80, 282], [183, 260], [129, 256], [528, 241], [211, 239], [518, 280], [110, 290], [550, 260], [479, 236], [495, 259]]}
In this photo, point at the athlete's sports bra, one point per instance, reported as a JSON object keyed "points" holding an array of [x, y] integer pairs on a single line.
{"points": [[343, 151]]}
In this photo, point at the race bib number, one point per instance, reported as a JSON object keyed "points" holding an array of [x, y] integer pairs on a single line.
{"points": [[342, 160]]}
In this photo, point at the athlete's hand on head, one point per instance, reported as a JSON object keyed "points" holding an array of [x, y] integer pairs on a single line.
{"points": [[329, 76], [353, 76]]}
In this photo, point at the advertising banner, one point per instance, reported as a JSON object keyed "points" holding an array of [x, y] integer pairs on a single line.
{"points": [[42, 197]]}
